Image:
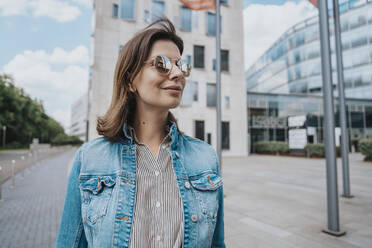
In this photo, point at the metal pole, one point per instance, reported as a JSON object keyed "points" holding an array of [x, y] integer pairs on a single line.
{"points": [[341, 96], [13, 179], [23, 169], [0, 181], [4, 135], [218, 81], [329, 125]]}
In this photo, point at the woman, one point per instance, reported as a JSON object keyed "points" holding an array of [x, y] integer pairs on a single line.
{"points": [[144, 183]]}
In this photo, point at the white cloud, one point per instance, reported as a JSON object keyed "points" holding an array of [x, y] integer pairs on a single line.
{"points": [[86, 3], [264, 24], [55, 9], [35, 72]]}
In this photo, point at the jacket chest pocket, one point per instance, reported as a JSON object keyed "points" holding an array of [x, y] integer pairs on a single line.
{"points": [[206, 187], [96, 194]]}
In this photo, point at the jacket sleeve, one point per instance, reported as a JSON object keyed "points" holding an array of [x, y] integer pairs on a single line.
{"points": [[71, 230], [219, 232]]}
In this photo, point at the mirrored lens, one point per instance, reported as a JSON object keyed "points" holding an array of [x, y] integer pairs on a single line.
{"points": [[162, 64], [184, 67]]}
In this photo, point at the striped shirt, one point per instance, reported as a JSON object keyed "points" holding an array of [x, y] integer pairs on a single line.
{"points": [[158, 212]]}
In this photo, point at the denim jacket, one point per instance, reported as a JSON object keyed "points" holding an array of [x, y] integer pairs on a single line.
{"points": [[101, 193]]}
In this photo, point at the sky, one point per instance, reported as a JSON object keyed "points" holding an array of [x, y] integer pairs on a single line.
{"points": [[45, 44]]}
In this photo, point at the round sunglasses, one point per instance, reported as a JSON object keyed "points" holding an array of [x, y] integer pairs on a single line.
{"points": [[164, 65]]}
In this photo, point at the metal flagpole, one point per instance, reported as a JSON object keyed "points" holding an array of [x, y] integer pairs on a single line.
{"points": [[218, 80], [341, 95], [329, 125]]}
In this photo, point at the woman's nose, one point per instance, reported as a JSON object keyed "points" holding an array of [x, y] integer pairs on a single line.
{"points": [[175, 72]]}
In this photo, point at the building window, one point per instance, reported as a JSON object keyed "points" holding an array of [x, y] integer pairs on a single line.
{"points": [[224, 2], [368, 116], [224, 61], [188, 58], [199, 130], [115, 10], [211, 23], [185, 19], [227, 102], [211, 95], [190, 93], [120, 47], [127, 9], [225, 135], [157, 9], [146, 16], [198, 56]]}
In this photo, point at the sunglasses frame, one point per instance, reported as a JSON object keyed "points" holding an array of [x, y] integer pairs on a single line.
{"points": [[168, 65]]}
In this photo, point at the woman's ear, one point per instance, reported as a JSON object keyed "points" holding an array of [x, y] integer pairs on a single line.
{"points": [[131, 88]]}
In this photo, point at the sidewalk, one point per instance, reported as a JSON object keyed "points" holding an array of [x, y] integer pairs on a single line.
{"points": [[271, 202], [30, 213], [274, 201]]}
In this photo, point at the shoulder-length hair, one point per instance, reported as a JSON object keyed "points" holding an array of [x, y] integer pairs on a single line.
{"points": [[130, 61]]}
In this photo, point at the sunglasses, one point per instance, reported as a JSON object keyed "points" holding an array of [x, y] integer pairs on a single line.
{"points": [[164, 65]]}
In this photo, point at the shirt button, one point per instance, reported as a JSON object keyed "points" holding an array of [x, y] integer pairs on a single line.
{"points": [[187, 185], [156, 173], [157, 204], [194, 218], [158, 238]]}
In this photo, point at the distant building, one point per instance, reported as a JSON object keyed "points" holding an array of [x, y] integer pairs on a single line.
{"points": [[115, 22], [79, 117], [286, 80]]}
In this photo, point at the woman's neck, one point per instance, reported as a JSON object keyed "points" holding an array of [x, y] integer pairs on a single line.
{"points": [[149, 124]]}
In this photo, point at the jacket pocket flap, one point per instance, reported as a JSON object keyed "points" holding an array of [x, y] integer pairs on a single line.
{"points": [[209, 181], [97, 183]]}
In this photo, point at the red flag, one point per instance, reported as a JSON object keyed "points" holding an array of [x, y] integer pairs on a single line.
{"points": [[199, 4], [314, 2]]}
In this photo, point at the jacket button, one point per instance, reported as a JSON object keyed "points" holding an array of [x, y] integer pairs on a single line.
{"points": [[194, 218], [187, 185], [177, 155]]}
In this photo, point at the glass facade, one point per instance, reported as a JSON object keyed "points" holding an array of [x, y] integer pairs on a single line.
{"points": [[293, 64], [268, 116]]}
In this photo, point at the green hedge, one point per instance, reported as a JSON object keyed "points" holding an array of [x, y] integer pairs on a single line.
{"points": [[271, 147], [63, 139], [365, 146], [317, 150]]}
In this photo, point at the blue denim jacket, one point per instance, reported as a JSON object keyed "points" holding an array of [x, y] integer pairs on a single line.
{"points": [[101, 193]]}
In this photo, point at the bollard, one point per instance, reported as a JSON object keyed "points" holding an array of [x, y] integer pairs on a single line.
{"points": [[13, 179], [0, 181], [23, 169]]}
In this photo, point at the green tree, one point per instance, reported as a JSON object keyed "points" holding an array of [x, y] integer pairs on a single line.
{"points": [[24, 117]]}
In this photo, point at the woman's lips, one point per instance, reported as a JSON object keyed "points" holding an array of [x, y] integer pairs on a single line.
{"points": [[173, 91]]}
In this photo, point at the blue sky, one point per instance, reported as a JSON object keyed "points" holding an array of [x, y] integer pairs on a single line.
{"points": [[45, 44]]}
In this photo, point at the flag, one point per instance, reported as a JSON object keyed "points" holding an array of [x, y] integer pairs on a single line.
{"points": [[314, 2], [199, 4]]}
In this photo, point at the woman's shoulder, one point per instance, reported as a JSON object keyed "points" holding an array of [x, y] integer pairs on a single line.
{"points": [[99, 153], [196, 143], [199, 150]]}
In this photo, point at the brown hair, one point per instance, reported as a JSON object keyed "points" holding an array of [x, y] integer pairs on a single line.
{"points": [[129, 64]]}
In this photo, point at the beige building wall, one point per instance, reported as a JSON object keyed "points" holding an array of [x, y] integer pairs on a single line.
{"points": [[110, 33]]}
